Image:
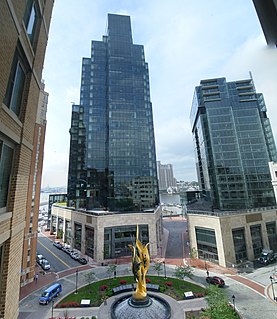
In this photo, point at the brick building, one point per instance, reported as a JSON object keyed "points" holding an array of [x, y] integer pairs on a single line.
{"points": [[24, 31], [33, 199]]}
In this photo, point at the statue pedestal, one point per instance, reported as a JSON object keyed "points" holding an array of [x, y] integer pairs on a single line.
{"points": [[151, 307], [140, 303]]}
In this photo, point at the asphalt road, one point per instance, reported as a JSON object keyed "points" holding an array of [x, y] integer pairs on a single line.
{"points": [[175, 244], [249, 303], [58, 259]]}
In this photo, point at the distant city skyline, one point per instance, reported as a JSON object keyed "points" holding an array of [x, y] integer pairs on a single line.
{"points": [[184, 42]]}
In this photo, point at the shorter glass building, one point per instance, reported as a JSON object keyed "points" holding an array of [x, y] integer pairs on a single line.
{"points": [[233, 144]]}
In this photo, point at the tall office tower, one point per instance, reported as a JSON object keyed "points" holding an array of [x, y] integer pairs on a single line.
{"points": [[233, 144], [267, 13], [23, 37], [33, 197], [112, 162], [165, 176]]}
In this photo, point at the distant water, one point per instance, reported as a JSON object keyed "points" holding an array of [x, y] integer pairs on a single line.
{"points": [[164, 198], [170, 199], [44, 197]]}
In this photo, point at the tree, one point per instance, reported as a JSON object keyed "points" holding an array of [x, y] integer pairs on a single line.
{"points": [[157, 267], [112, 269], [90, 277], [219, 307], [193, 253], [183, 271]]}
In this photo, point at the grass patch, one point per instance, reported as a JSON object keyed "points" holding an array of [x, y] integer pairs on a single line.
{"points": [[99, 291]]}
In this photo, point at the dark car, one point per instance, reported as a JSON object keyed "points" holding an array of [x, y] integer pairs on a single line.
{"points": [[82, 260], [216, 281]]}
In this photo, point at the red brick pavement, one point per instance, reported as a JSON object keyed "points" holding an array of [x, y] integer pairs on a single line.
{"points": [[47, 279], [42, 281], [254, 285], [220, 270]]}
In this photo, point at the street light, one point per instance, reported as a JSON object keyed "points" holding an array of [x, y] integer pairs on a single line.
{"points": [[164, 269], [273, 292], [76, 287], [233, 297], [52, 308]]}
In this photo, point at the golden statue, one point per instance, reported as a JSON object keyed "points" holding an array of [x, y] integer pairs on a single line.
{"points": [[140, 266]]}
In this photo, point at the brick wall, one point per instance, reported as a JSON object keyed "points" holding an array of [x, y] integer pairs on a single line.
{"points": [[19, 131]]}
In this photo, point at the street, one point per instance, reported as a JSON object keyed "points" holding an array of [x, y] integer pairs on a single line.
{"points": [[58, 259], [250, 303], [177, 228]]}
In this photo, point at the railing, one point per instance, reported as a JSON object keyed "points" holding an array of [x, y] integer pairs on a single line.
{"points": [[233, 212]]}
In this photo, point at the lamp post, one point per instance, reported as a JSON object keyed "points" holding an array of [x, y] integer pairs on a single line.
{"points": [[164, 269], [76, 287], [273, 292], [52, 309], [233, 297]]}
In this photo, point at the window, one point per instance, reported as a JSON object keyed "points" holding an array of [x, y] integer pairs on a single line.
{"points": [[272, 236], [15, 88], [77, 236], [239, 244], [257, 243], [1, 262], [206, 243], [31, 19], [6, 156]]}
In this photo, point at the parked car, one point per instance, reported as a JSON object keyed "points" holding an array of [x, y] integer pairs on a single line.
{"points": [[45, 265], [267, 256], [66, 249], [74, 255], [69, 251], [216, 281], [40, 259], [57, 244], [82, 260]]}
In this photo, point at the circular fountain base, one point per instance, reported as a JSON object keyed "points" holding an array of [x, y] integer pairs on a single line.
{"points": [[152, 307]]}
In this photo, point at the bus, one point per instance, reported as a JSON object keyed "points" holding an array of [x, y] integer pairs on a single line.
{"points": [[50, 293]]}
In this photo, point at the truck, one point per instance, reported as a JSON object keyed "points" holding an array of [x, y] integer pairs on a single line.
{"points": [[267, 256]]}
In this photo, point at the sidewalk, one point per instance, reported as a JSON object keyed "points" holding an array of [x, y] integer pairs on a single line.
{"points": [[42, 281], [48, 279]]}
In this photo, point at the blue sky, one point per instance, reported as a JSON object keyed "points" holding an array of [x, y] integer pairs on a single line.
{"points": [[184, 41]]}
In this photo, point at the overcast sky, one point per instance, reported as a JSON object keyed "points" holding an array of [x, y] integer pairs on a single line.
{"points": [[185, 41]]}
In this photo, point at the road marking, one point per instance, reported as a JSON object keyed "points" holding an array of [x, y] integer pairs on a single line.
{"points": [[54, 254]]}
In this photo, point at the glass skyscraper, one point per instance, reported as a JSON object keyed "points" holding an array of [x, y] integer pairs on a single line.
{"points": [[233, 144], [112, 161]]}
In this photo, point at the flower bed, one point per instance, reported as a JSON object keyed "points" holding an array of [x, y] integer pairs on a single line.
{"points": [[68, 304]]}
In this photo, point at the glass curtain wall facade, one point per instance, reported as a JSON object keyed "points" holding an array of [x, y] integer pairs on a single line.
{"points": [[206, 243], [272, 236], [117, 239], [112, 135], [233, 144]]}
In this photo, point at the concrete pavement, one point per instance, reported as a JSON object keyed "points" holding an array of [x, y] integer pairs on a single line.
{"points": [[249, 302], [252, 297]]}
